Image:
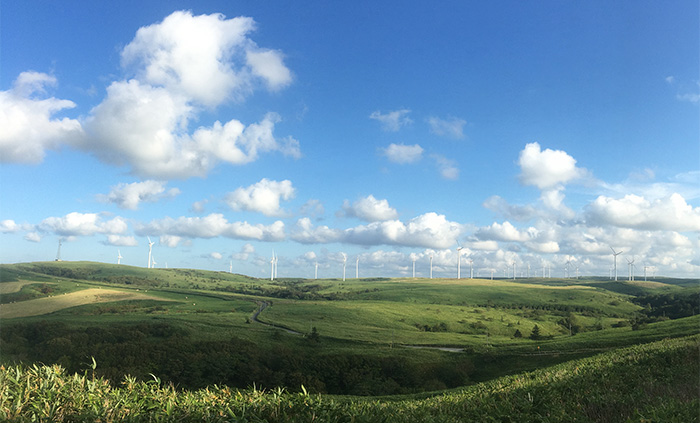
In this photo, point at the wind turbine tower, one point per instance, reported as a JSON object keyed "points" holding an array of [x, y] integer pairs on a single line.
{"points": [[316, 271], [119, 257], [357, 268], [513, 269], [431, 266], [471, 269], [459, 261], [150, 251], [631, 268], [58, 253], [414, 266], [345, 260], [615, 254], [153, 262], [272, 266]]}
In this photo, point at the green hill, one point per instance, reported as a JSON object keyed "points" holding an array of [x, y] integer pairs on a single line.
{"points": [[651, 382]]}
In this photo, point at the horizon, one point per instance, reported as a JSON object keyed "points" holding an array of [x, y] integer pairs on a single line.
{"points": [[535, 134]]}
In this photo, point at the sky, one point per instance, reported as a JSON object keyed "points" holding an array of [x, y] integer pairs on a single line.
{"points": [[516, 137]]}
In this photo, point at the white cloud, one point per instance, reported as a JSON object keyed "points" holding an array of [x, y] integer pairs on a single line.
{"points": [[632, 211], [177, 69], [370, 209], [32, 237], [510, 211], [216, 256], [403, 154], [502, 232], [263, 197], [129, 196], [547, 169], [245, 252], [447, 167], [430, 230], [313, 208], [268, 65], [198, 206], [211, 226], [83, 224], [27, 123], [304, 232], [9, 226], [171, 241], [121, 241], [392, 121], [451, 127]]}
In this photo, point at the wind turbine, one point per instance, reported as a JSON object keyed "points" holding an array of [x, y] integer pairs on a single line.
{"points": [[357, 268], [459, 260], [58, 253], [631, 268], [431, 266], [272, 266], [471, 269], [119, 257], [615, 254], [230, 266], [413, 259], [153, 261], [492, 270], [645, 272], [345, 260], [513, 269], [150, 251], [316, 271]]}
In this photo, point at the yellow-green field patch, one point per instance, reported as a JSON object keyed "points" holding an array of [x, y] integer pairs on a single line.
{"points": [[10, 287], [51, 304]]}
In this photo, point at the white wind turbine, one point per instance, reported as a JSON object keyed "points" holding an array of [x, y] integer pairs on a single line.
{"points": [[431, 266], [153, 262], [345, 260], [513, 269], [471, 269], [230, 266], [615, 254], [272, 266], [357, 268], [413, 259], [316, 270], [276, 260], [150, 251], [459, 260], [119, 257], [631, 268]]}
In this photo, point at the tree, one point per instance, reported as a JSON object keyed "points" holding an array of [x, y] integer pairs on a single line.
{"points": [[517, 334], [535, 333]]}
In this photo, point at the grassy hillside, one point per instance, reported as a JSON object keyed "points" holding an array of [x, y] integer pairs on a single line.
{"points": [[197, 328], [651, 382]]}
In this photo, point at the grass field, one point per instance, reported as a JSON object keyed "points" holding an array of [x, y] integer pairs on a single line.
{"points": [[194, 328]]}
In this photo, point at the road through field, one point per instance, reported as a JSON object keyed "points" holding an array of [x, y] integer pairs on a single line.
{"points": [[50, 304]]}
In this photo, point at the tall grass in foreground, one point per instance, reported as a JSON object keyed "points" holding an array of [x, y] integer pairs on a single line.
{"points": [[651, 382]]}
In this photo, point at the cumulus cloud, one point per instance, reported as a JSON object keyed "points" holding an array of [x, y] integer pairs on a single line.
{"points": [[28, 126], [429, 230], [171, 241], [403, 154], [263, 197], [547, 169], [176, 69], [451, 127], [304, 232], [211, 226], [502, 232], [447, 167], [216, 255], [370, 209], [392, 121], [245, 252], [519, 213], [9, 226], [632, 211], [121, 241], [83, 224], [32, 237], [129, 196]]}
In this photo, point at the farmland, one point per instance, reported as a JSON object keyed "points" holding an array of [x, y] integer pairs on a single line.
{"points": [[368, 337]]}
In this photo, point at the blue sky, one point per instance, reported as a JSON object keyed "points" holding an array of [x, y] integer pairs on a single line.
{"points": [[539, 133]]}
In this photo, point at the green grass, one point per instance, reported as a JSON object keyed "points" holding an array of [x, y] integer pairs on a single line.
{"points": [[360, 322], [652, 382]]}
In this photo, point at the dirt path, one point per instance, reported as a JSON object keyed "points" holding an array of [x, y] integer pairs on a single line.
{"points": [[263, 305], [59, 302]]}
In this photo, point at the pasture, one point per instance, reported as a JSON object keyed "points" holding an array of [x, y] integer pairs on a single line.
{"points": [[349, 337]]}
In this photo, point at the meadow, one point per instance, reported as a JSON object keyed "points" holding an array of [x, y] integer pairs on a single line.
{"points": [[193, 330]]}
